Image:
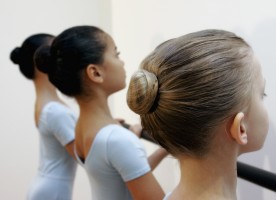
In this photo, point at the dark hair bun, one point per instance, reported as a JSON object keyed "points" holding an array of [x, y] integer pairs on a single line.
{"points": [[16, 55], [43, 59]]}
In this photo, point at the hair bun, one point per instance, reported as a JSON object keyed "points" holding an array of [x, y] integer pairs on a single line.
{"points": [[16, 55], [43, 59], [142, 91]]}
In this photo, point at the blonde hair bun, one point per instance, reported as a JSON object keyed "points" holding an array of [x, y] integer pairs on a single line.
{"points": [[142, 91]]}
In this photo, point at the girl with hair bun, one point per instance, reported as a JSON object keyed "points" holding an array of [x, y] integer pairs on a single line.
{"points": [[200, 96], [55, 123], [87, 66]]}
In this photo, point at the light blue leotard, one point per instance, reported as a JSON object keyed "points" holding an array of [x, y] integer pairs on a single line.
{"points": [[56, 172], [115, 157]]}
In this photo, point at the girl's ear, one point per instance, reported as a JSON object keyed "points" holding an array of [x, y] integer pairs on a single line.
{"points": [[238, 129], [94, 73]]}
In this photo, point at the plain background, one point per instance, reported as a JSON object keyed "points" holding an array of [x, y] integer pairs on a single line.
{"points": [[137, 28]]}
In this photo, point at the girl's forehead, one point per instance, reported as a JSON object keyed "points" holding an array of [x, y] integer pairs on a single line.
{"points": [[109, 41], [257, 67], [258, 79]]}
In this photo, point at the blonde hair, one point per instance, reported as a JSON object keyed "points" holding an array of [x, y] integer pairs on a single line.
{"points": [[189, 84]]}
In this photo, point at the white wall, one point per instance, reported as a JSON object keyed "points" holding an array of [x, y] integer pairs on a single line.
{"points": [[138, 26], [18, 135]]}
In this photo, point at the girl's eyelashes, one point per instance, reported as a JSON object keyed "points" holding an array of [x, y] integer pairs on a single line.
{"points": [[118, 53], [264, 95]]}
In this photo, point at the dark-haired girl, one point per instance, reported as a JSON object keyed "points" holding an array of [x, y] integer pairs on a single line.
{"points": [[87, 66], [56, 124]]}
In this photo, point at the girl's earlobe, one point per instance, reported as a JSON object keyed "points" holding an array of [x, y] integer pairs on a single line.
{"points": [[238, 129], [94, 73]]}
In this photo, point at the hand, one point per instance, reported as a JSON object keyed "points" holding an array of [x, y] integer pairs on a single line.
{"points": [[122, 123], [136, 129], [120, 120]]}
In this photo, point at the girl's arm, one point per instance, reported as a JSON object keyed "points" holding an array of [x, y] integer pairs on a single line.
{"points": [[155, 158], [70, 148], [145, 187]]}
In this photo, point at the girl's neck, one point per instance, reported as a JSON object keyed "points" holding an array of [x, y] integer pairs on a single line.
{"points": [[94, 115], [45, 92], [212, 177], [91, 107]]}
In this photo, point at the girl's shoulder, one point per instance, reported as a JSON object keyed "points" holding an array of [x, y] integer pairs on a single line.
{"points": [[116, 135]]}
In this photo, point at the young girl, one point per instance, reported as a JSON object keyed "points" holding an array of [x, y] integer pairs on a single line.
{"points": [[86, 66], [201, 97], [56, 124]]}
